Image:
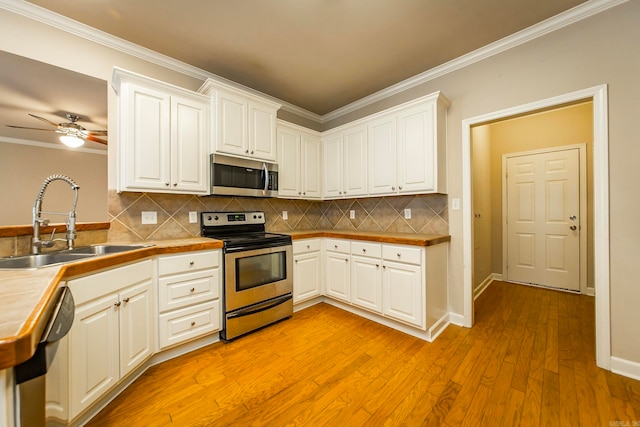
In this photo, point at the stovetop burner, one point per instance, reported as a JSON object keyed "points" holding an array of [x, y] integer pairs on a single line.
{"points": [[240, 230]]}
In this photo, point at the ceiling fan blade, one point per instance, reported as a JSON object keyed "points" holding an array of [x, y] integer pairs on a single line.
{"points": [[24, 127], [95, 139], [97, 132], [44, 120]]}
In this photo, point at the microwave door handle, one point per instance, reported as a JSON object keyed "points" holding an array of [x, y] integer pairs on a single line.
{"points": [[266, 178]]}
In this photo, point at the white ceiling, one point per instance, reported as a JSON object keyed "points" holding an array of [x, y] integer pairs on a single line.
{"points": [[319, 55]]}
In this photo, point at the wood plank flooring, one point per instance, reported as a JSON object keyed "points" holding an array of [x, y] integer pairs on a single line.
{"points": [[529, 360]]}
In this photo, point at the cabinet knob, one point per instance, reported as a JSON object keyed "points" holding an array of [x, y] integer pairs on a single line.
{"points": [[191, 262], [304, 194], [308, 246], [339, 192], [296, 261], [400, 187], [346, 259], [166, 184], [364, 250], [399, 255], [384, 266], [377, 265], [193, 323], [126, 300], [251, 151], [335, 246], [175, 184], [192, 290], [298, 193], [246, 151], [118, 304]]}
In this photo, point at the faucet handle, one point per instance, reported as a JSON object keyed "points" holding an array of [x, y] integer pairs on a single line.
{"points": [[43, 222]]}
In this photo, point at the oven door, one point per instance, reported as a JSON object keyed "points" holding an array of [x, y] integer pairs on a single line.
{"points": [[257, 275]]}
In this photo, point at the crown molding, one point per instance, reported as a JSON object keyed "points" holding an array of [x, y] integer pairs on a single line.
{"points": [[547, 26], [554, 23]]}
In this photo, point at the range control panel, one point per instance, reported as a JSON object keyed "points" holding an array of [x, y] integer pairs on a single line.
{"points": [[214, 219]]}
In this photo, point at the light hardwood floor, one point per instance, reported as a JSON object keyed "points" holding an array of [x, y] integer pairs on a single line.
{"points": [[529, 360]]}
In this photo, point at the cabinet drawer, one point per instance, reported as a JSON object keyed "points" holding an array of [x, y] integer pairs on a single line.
{"points": [[402, 254], [373, 250], [99, 284], [304, 246], [181, 290], [184, 324], [337, 245], [191, 261]]}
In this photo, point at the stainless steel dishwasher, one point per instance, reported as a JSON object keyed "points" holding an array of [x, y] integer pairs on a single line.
{"points": [[30, 375]]}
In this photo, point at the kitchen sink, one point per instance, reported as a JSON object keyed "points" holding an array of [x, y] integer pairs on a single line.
{"points": [[41, 260], [105, 249], [60, 257]]}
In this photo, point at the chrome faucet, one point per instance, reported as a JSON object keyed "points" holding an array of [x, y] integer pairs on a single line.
{"points": [[38, 221]]}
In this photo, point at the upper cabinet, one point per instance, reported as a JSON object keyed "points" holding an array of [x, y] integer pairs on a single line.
{"points": [[163, 136], [244, 125], [407, 148], [345, 162], [299, 162]]}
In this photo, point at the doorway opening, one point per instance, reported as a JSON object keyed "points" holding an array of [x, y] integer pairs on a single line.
{"points": [[598, 204]]}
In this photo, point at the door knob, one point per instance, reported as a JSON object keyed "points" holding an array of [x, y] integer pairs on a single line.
{"points": [[572, 217], [573, 228]]}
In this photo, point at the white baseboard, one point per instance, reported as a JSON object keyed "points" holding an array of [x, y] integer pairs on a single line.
{"points": [[485, 284], [625, 367], [456, 319]]}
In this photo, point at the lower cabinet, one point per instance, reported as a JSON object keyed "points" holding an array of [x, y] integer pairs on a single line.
{"points": [[307, 265], [337, 269], [366, 276], [113, 332], [188, 296]]}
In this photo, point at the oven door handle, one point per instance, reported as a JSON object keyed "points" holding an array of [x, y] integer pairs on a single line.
{"points": [[259, 307]]}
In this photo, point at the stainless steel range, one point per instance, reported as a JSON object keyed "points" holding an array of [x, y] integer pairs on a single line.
{"points": [[258, 273]]}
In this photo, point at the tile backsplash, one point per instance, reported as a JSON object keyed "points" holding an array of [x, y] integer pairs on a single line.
{"points": [[429, 214]]}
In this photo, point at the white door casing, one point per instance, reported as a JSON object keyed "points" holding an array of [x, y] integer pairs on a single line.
{"points": [[542, 216]]}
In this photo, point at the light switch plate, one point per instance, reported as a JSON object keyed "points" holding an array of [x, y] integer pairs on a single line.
{"points": [[352, 214], [407, 213], [149, 217], [193, 217], [455, 204], [285, 215]]}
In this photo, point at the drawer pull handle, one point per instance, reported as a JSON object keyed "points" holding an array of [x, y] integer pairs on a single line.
{"points": [[193, 323], [126, 300], [191, 262], [335, 246], [364, 251], [192, 290], [399, 255], [308, 246]]}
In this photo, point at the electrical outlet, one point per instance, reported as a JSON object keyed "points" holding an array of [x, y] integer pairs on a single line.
{"points": [[149, 217], [407, 213], [352, 214], [285, 215], [193, 217]]}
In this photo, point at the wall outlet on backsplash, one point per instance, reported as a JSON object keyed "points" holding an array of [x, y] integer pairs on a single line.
{"points": [[285, 215], [193, 217], [352, 214], [407, 213], [149, 217]]}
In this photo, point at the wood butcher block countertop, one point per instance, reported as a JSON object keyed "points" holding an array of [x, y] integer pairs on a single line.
{"points": [[27, 296], [415, 239]]}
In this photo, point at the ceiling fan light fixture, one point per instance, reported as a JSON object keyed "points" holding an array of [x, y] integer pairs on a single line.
{"points": [[71, 141]]}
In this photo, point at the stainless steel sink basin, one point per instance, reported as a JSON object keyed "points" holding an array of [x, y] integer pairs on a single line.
{"points": [[106, 249], [41, 260], [60, 257]]}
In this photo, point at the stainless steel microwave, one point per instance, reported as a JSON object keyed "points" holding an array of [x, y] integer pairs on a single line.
{"points": [[232, 176]]}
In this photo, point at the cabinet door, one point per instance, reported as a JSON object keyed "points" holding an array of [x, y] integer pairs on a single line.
{"points": [[366, 278], [332, 165], [306, 276], [288, 162], [355, 161], [232, 136], [144, 139], [262, 132], [337, 276], [136, 326], [416, 148], [311, 160], [382, 147], [93, 352], [402, 293], [189, 145]]}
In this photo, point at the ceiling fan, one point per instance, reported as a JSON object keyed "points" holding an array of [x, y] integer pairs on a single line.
{"points": [[72, 134]]}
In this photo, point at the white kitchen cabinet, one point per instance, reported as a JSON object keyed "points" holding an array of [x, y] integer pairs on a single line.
{"points": [[403, 284], [299, 162], [163, 136], [345, 162], [113, 331], [189, 288], [366, 276], [307, 264], [407, 148], [337, 269], [244, 124]]}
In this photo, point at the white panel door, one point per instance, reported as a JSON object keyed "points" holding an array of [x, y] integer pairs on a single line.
{"points": [[262, 132], [366, 281], [189, 145], [402, 292], [136, 326], [232, 118], [355, 161], [382, 147], [337, 276], [311, 159], [306, 276], [543, 224], [332, 165], [416, 149]]}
